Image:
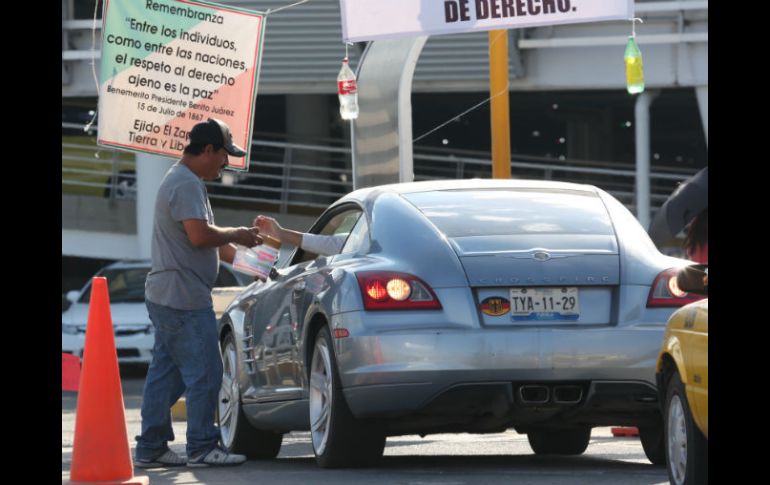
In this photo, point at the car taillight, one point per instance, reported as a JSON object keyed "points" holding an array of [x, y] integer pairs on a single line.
{"points": [[666, 293], [383, 290]]}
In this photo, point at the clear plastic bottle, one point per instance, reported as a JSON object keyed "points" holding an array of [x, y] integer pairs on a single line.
{"points": [[634, 72], [347, 92]]}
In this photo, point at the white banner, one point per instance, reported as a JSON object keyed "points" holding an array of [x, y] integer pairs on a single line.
{"points": [[381, 19]]}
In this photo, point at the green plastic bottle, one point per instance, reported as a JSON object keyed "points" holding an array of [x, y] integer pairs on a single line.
{"points": [[634, 72]]}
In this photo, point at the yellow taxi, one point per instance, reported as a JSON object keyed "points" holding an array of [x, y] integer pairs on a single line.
{"points": [[683, 378]]}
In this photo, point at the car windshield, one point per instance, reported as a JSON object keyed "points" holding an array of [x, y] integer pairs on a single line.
{"points": [[464, 213], [126, 285]]}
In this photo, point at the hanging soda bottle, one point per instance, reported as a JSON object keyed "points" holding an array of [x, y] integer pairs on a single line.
{"points": [[634, 72], [347, 92]]}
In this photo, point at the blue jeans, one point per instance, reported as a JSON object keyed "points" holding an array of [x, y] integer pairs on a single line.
{"points": [[185, 356]]}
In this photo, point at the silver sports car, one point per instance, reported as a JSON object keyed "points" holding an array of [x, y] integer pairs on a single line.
{"points": [[453, 306]]}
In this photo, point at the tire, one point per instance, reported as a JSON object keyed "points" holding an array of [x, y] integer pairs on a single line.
{"points": [[556, 441], [339, 440], [238, 435], [686, 447], [653, 443]]}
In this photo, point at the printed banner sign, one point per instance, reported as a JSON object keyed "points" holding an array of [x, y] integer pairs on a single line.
{"points": [[170, 64], [381, 19]]}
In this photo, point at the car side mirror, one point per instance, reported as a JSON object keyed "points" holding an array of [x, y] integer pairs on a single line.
{"points": [[693, 279], [72, 296]]}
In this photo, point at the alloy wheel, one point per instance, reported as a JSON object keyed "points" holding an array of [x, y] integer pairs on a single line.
{"points": [[320, 395], [677, 440], [229, 396]]}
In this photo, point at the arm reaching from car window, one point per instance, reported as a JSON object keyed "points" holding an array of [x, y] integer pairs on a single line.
{"points": [[323, 245], [314, 243]]}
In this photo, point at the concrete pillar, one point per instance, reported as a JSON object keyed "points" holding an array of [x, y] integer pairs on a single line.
{"points": [[702, 93], [381, 137], [150, 170], [642, 124]]}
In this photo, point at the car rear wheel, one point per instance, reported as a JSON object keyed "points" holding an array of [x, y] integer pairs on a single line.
{"points": [[572, 441], [653, 443], [686, 447], [238, 435], [339, 440]]}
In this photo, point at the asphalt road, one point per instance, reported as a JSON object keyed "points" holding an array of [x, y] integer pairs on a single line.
{"points": [[446, 459]]}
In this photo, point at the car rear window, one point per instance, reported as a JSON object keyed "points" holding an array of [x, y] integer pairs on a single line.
{"points": [[462, 213]]}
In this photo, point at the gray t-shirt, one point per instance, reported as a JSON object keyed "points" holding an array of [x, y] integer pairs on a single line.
{"points": [[182, 275]]}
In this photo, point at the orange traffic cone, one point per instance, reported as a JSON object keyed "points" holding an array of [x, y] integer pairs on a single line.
{"points": [[100, 451]]}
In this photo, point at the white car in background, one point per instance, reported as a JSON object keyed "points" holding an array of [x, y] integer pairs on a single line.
{"points": [[134, 334]]}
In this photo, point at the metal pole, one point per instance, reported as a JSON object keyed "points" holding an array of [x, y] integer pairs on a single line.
{"points": [[642, 122], [499, 112]]}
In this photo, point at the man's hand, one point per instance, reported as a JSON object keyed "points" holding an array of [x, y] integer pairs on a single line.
{"points": [[205, 235], [247, 236]]}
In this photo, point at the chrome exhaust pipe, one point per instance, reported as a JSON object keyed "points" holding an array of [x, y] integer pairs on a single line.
{"points": [[534, 394], [567, 394]]}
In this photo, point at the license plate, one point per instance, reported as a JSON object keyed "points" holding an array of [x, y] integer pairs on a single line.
{"points": [[545, 303]]}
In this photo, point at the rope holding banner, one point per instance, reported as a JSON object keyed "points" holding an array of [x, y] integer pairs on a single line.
{"points": [[457, 117], [270, 10]]}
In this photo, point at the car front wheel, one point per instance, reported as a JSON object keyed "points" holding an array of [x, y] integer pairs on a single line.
{"points": [[339, 440], [686, 447], [238, 435]]}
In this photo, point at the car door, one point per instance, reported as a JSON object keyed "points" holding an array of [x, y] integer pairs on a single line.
{"points": [[278, 317], [696, 345]]}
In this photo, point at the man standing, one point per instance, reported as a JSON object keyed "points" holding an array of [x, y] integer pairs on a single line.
{"points": [[186, 248]]}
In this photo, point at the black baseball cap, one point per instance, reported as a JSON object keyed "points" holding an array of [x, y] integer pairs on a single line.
{"points": [[216, 132]]}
